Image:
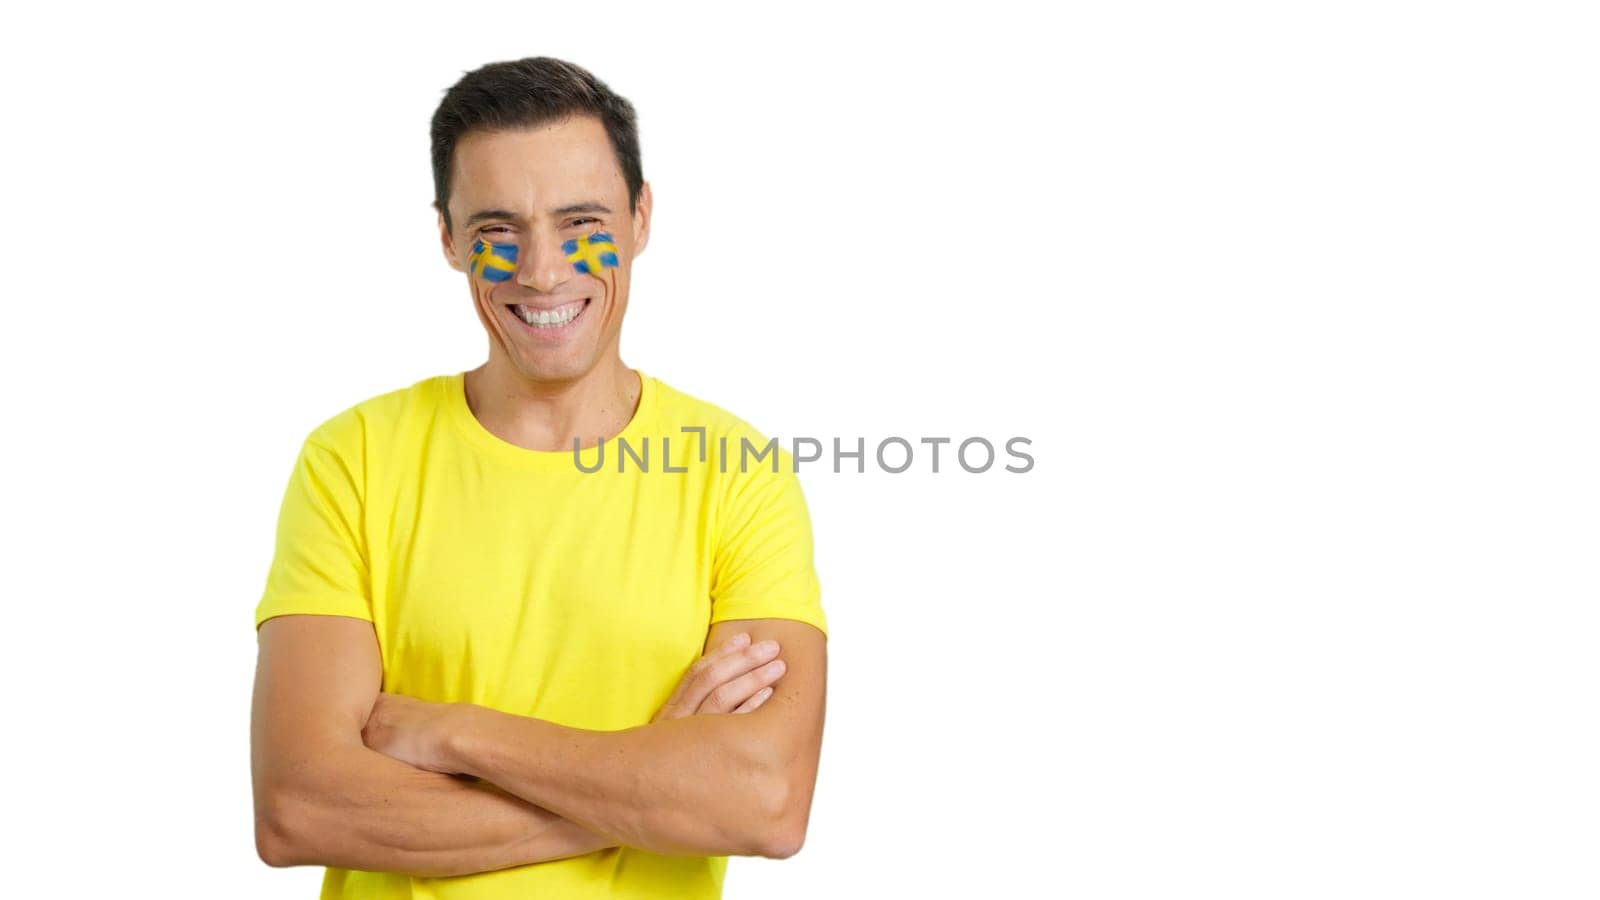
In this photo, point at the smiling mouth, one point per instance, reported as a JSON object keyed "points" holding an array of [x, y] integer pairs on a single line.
{"points": [[550, 319]]}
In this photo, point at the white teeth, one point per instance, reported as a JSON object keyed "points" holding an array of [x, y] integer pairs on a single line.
{"points": [[550, 318]]}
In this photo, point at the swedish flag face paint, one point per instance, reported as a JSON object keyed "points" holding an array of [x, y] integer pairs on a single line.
{"points": [[493, 262], [590, 254]]}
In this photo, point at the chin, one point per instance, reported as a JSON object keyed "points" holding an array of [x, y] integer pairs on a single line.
{"points": [[565, 366]]}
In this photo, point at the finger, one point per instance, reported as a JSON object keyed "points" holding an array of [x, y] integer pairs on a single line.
{"points": [[724, 669], [755, 701], [730, 695], [675, 706], [729, 646]]}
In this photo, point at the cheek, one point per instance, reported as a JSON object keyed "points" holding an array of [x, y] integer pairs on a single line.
{"points": [[591, 254], [492, 263]]}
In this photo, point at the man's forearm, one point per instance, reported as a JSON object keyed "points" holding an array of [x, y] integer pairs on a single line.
{"points": [[702, 785], [355, 808]]}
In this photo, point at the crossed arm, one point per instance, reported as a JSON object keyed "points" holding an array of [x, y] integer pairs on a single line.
{"points": [[347, 776], [702, 785]]}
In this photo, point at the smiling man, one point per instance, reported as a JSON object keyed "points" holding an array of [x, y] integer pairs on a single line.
{"points": [[500, 656]]}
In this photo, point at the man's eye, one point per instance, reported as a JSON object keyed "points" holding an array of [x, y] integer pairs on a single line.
{"points": [[575, 222], [497, 229]]}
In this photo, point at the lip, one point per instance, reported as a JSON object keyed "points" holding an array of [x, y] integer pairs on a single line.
{"points": [[549, 334], [546, 307]]}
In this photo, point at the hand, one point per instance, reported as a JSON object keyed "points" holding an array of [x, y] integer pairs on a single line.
{"points": [[734, 678], [410, 730]]}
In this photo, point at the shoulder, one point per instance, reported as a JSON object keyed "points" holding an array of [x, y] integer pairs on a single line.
{"points": [[677, 410], [743, 459], [377, 418]]}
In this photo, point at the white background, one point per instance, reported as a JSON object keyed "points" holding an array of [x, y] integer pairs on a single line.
{"points": [[1296, 303]]}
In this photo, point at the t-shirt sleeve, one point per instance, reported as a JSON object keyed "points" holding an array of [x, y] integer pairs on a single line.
{"points": [[764, 567], [319, 563]]}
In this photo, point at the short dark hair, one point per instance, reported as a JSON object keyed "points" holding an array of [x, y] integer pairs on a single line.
{"points": [[528, 93]]}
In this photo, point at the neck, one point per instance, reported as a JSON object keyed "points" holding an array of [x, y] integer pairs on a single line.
{"points": [[548, 415]]}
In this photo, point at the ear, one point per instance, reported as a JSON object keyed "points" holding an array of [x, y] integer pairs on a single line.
{"points": [[641, 219], [447, 243]]}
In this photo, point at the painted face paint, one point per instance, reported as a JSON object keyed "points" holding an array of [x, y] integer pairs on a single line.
{"points": [[590, 254], [493, 262]]}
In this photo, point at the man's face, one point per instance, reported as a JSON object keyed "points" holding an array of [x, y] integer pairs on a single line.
{"points": [[526, 207]]}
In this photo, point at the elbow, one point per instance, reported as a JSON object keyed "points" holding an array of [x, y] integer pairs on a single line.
{"points": [[785, 810], [272, 848], [275, 843], [784, 843]]}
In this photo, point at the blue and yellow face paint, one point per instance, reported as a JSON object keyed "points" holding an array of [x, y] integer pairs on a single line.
{"points": [[590, 254], [493, 262]]}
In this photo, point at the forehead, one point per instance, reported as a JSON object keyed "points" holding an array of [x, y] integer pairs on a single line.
{"points": [[534, 169]]}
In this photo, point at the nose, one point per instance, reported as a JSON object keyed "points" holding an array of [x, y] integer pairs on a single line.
{"points": [[545, 266]]}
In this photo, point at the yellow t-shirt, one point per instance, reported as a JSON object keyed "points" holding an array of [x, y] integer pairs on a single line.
{"points": [[513, 579]]}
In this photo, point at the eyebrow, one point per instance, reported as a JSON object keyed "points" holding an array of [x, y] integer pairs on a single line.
{"points": [[588, 206]]}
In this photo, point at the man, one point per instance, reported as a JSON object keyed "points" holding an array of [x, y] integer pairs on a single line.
{"points": [[491, 664]]}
